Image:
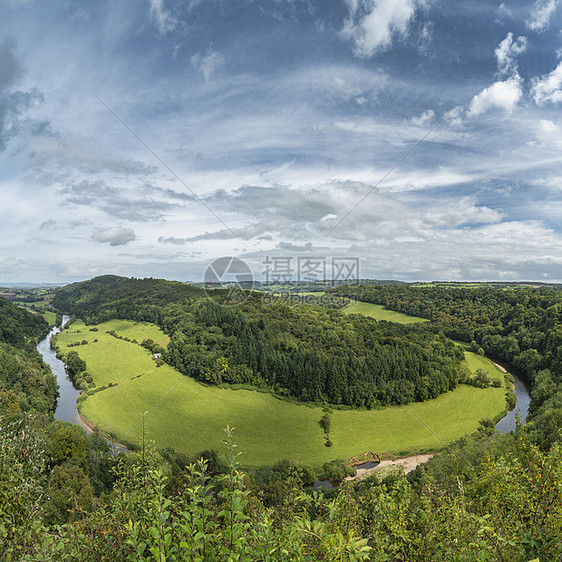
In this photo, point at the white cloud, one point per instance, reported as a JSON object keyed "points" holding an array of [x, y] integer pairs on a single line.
{"points": [[503, 10], [500, 95], [503, 94], [425, 119], [425, 37], [541, 14], [547, 138], [507, 51], [114, 236], [548, 127], [162, 17], [176, 51], [371, 24], [208, 63], [548, 87], [454, 117], [460, 212]]}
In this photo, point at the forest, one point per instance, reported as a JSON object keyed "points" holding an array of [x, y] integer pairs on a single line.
{"points": [[65, 496], [26, 383]]}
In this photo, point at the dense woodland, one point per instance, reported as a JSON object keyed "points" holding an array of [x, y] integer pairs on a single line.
{"points": [[26, 383], [65, 496], [306, 352]]}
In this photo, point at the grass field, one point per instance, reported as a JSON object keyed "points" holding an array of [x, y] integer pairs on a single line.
{"points": [[379, 312], [314, 293], [190, 417], [476, 362], [50, 316]]}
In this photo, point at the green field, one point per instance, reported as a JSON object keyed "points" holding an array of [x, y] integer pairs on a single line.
{"points": [[50, 316], [313, 293], [476, 362], [379, 312], [190, 417]]}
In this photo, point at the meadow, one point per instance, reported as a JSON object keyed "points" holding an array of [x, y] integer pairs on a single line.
{"points": [[476, 362], [379, 312], [180, 412], [50, 316]]}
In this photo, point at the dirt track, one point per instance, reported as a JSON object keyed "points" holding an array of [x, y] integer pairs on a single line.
{"points": [[407, 463]]}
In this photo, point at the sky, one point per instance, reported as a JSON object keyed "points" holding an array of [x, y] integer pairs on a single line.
{"points": [[420, 139]]}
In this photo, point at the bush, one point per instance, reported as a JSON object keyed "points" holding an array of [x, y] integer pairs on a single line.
{"points": [[75, 363], [481, 379], [511, 400], [336, 470], [325, 423]]}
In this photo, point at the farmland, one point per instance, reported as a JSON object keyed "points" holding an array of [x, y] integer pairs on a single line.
{"points": [[379, 312], [189, 416]]}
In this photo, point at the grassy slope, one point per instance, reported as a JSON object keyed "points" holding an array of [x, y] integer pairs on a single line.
{"points": [[379, 312], [476, 362], [50, 316], [191, 417]]}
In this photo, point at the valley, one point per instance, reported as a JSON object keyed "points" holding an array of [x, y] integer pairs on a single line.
{"points": [[190, 416]]}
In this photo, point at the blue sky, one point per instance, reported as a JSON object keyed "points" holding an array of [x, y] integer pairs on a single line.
{"points": [[149, 137]]}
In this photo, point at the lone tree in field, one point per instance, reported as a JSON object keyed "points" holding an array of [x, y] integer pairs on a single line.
{"points": [[325, 423]]}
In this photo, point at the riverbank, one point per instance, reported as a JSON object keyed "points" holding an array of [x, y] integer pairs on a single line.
{"points": [[500, 367], [406, 464], [92, 428]]}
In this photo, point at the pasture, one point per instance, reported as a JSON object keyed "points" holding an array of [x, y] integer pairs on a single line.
{"points": [[379, 312], [50, 316], [191, 417]]}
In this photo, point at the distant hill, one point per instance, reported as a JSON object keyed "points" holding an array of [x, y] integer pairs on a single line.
{"points": [[111, 296]]}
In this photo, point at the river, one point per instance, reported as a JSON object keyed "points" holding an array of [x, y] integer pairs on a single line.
{"points": [[509, 422], [66, 402]]}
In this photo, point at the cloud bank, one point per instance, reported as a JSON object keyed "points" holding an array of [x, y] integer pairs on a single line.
{"points": [[548, 88]]}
